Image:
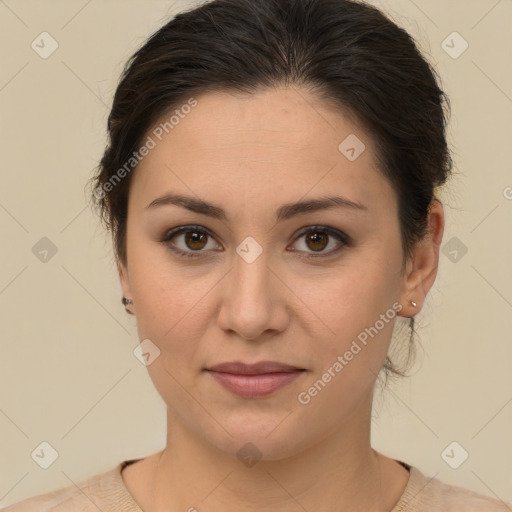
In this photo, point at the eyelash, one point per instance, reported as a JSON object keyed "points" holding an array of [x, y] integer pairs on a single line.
{"points": [[344, 240]]}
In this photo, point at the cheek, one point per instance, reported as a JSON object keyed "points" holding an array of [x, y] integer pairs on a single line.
{"points": [[360, 289], [354, 303], [171, 302], [359, 312], [171, 313]]}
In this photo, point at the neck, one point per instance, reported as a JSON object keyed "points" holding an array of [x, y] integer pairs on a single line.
{"points": [[341, 471]]}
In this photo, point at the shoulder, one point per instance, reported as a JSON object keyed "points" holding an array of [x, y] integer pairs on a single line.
{"points": [[70, 499], [59, 500], [103, 491], [428, 494]]}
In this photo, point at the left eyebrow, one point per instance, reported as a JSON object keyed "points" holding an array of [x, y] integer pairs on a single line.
{"points": [[290, 210], [284, 212]]}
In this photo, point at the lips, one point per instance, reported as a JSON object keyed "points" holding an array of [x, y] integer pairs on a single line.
{"points": [[254, 380], [239, 368]]}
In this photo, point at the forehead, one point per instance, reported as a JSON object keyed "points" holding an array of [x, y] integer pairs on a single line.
{"points": [[232, 145], [289, 117]]}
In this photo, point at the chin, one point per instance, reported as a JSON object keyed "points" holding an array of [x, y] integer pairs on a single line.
{"points": [[259, 436], [252, 448]]}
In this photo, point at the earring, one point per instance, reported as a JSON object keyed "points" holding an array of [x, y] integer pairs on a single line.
{"points": [[413, 304], [126, 302]]}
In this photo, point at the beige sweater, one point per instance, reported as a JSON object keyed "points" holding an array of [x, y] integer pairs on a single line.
{"points": [[106, 492]]}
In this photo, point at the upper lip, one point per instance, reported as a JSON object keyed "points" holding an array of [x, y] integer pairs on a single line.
{"points": [[239, 368]]}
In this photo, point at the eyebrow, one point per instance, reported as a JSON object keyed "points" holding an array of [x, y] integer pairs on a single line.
{"points": [[284, 212]]}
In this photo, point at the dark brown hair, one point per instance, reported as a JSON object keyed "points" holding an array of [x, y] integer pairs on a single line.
{"points": [[346, 52]]}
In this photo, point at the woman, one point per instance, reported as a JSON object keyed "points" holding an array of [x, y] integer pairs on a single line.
{"points": [[270, 183]]}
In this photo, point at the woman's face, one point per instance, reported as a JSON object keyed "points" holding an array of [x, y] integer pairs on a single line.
{"points": [[265, 283]]}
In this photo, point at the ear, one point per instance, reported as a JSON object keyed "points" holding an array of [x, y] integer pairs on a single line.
{"points": [[124, 279], [421, 268]]}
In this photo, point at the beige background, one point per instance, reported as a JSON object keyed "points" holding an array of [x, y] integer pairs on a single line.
{"points": [[68, 374]]}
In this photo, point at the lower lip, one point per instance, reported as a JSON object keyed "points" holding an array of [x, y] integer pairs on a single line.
{"points": [[254, 386]]}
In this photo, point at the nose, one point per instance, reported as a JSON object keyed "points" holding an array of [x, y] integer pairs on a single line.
{"points": [[253, 299]]}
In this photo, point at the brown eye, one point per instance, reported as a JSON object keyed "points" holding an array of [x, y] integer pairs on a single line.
{"points": [[190, 241], [317, 239], [195, 240]]}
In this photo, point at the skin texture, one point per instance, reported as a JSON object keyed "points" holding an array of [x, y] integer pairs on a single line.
{"points": [[250, 154]]}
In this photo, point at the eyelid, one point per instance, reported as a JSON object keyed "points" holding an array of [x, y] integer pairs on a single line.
{"points": [[325, 229], [170, 234], [343, 239]]}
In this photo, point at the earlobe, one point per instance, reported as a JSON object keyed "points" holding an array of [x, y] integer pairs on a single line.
{"points": [[422, 268], [125, 286], [124, 279]]}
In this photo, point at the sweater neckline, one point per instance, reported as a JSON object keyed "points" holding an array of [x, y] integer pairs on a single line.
{"points": [[114, 477]]}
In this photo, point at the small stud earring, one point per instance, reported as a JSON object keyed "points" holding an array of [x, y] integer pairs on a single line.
{"points": [[413, 304], [126, 302]]}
